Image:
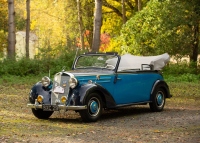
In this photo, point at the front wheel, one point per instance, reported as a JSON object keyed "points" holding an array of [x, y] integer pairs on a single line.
{"points": [[40, 114], [94, 108], [158, 100]]}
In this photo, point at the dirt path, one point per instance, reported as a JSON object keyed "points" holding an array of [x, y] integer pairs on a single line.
{"points": [[139, 125], [136, 124]]}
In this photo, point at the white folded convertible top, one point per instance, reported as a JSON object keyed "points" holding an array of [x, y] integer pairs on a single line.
{"points": [[132, 62]]}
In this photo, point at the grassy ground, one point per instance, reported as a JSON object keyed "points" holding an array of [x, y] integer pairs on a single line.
{"points": [[17, 123]]}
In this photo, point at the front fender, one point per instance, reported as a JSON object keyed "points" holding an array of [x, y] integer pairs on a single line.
{"points": [[86, 89], [162, 84], [38, 89]]}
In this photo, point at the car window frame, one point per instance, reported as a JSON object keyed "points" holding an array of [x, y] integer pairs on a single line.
{"points": [[98, 54]]}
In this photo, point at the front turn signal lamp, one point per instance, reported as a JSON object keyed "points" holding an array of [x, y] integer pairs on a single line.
{"points": [[40, 98], [63, 99]]}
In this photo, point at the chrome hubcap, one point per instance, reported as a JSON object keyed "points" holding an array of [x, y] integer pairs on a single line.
{"points": [[160, 99], [94, 106]]}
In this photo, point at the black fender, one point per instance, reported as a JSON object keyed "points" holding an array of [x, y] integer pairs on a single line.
{"points": [[163, 85], [38, 89], [107, 98]]}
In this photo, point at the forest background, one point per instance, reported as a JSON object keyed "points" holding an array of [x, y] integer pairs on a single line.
{"points": [[139, 27]]}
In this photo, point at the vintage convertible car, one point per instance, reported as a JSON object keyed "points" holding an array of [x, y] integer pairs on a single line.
{"points": [[100, 81]]}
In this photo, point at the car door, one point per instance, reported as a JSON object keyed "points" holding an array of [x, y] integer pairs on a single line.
{"points": [[134, 87]]}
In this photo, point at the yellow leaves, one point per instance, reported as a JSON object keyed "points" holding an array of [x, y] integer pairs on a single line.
{"points": [[33, 24], [3, 14], [3, 40], [157, 131], [3, 2], [186, 11], [47, 21], [178, 31], [115, 45]]}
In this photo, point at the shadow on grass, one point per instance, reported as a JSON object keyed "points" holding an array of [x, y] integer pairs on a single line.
{"points": [[107, 114], [125, 111], [121, 113]]}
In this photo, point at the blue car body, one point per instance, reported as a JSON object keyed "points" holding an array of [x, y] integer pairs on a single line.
{"points": [[90, 89]]}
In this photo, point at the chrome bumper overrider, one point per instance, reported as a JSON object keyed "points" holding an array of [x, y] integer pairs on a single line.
{"points": [[61, 107]]}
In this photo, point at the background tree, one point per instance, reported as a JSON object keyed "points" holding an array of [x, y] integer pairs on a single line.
{"points": [[11, 30], [195, 29], [97, 25], [3, 14], [3, 25], [27, 27], [56, 21], [80, 21], [114, 17], [139, 5], [163, 26], [124, 11]]}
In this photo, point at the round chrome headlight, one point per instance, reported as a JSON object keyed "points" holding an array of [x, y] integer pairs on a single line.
{"points": [[46, 81], [73, 82]]}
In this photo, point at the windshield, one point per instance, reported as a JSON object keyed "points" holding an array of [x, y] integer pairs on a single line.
{"points": [[96, 61]]}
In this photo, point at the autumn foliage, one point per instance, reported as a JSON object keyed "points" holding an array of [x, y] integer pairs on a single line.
{"points": [[105, 41]]}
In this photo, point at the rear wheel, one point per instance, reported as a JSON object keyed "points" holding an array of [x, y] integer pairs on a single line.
{"points": [[94, 108], [158, 100], [40, 114]]}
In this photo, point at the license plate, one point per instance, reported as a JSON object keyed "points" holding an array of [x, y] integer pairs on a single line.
{"points": [[50, 108], [59, 89]]}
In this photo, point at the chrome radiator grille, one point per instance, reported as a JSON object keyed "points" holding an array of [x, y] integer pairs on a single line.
{"points": [[60, 88]]}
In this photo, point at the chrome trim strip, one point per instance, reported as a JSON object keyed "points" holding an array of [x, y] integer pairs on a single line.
{"points": [[70, 74], [138, 103], [61, 107], [34, 106]]}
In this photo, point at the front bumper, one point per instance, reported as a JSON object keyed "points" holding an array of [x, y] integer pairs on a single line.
{"points": [[60, 107]]}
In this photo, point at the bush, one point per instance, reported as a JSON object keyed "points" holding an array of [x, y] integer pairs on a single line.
{"points": [[46, 62], [181, 68], [181, 72], [43, 63], [182, 78]]}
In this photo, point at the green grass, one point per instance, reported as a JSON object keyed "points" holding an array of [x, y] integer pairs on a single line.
{"points": [[18, 80]]}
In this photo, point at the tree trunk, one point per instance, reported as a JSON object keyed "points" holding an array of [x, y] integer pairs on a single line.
{"points": [[97, 25], [11, 30], [195, 43], [80, 21], [139, 5], [124, 11], [27, 27], [195, 48]]}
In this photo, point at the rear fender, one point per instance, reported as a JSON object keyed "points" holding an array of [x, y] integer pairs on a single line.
{"points": [[162, 84]]}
